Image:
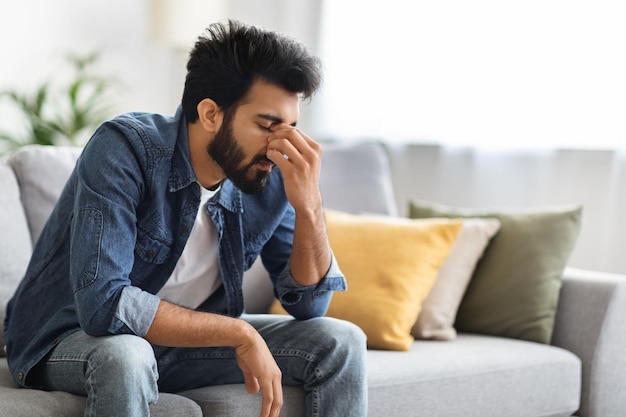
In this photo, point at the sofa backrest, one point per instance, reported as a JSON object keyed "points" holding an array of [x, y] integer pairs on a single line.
{"points": [[41, 172], [356, 178]]}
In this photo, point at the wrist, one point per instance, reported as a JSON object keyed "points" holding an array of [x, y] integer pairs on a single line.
{"points": [[312, 212], [242, 333]]}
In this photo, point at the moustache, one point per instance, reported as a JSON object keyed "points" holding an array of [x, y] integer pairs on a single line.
{"points": [[261, 158]]}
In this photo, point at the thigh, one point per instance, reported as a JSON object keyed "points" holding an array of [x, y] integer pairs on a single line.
{"points": [[181, 369], [68, 366], [297, 346], [63, 368], [309, 351]]}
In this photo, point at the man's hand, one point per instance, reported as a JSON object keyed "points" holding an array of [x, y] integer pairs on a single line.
{"points": [[299, 159], [261, 372], [180, 327]]}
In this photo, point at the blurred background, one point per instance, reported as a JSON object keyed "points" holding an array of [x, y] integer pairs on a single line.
{"points": [[489, 73], [529, 95], [141, 45]]}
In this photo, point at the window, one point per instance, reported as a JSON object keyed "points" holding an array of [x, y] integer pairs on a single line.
{"points": [[534, 73]]}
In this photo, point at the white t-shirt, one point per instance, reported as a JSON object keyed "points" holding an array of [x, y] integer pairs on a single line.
{"points": [[197, 273]]}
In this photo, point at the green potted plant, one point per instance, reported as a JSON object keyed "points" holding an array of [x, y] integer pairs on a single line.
{"points": [[60, 115]]}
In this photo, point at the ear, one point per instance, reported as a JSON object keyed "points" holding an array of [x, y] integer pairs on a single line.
{"points": [[210, 115]]}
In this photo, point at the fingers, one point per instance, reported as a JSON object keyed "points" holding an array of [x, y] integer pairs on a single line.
{"points": [[272, 394], [260, 371], [283, 156], [252, 384], [291, 145], [298, 138], [277, 402], [272, 399]]}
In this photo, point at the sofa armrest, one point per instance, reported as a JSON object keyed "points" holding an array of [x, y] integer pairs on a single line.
{"points": [[590, 323]]}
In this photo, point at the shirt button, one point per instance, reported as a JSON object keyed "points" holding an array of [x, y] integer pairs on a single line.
{"points": [[183, 230], [20, 376], [150, 253]]}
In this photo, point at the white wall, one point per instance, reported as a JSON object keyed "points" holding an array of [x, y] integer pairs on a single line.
{"points": [[492, 73], [36, 34]]}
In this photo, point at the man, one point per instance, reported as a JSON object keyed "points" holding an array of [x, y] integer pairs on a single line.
{"points": [[135, 283]]}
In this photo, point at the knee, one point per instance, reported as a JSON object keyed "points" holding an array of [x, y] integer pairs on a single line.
{"points": [[349, 333], [343, 337], [341, 350], [343, 330], [126, 357]]}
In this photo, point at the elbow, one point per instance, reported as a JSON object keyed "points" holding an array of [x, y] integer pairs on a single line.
{"points": [[93, 325], [93, 319], [309, 306], [96, 314]]}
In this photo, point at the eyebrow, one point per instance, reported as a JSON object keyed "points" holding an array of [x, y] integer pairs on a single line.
{"points": [[272, 118]]}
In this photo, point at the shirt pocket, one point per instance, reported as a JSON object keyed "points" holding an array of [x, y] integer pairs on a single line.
{"points": [[152, 249], [86, 245]]}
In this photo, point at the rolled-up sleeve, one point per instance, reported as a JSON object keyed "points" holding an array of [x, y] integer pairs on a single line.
{"points": [[304, 302], [135, 312]]}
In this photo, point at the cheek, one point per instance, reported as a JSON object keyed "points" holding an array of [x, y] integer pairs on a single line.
{"points": [[253, 141], [250, 138]]}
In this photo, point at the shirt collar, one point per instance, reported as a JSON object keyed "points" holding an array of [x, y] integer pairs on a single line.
{"points": [[182, 174], [230, 197], [181, 170]]}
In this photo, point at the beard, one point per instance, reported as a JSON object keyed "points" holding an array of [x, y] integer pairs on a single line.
{"points": [[225, 150]]}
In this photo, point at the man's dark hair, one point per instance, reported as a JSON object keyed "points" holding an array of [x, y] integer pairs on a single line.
{"points": [[228, 58]]}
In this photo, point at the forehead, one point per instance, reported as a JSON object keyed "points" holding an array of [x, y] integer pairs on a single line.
{"points": [[265, 98]]}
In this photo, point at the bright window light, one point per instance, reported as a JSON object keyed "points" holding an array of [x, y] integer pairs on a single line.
{"points": [[532, 73]]}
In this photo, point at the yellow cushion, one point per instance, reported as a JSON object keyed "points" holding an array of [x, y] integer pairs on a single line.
{"points": [[390, 265]]}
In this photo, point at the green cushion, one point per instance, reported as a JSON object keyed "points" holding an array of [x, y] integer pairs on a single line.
{"points": [[515, 288]]}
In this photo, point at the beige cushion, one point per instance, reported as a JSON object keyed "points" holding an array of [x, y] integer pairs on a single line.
{"points": [[436, 319]]}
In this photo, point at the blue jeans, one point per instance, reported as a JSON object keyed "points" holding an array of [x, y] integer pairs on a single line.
{"points": [[122, 375]]}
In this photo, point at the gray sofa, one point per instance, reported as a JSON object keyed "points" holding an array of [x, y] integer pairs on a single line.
{"points": [[582, 372]]}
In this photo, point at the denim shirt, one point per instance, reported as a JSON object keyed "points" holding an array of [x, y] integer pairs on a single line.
{"points": [[119, 228]]}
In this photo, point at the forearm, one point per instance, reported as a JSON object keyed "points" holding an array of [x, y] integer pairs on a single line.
{"points": [[310, 257], [177, 326]]}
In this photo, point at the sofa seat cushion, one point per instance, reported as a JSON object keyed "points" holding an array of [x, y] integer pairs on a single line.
{"points": [[474, 375], [234, 400], [23, 402]]}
